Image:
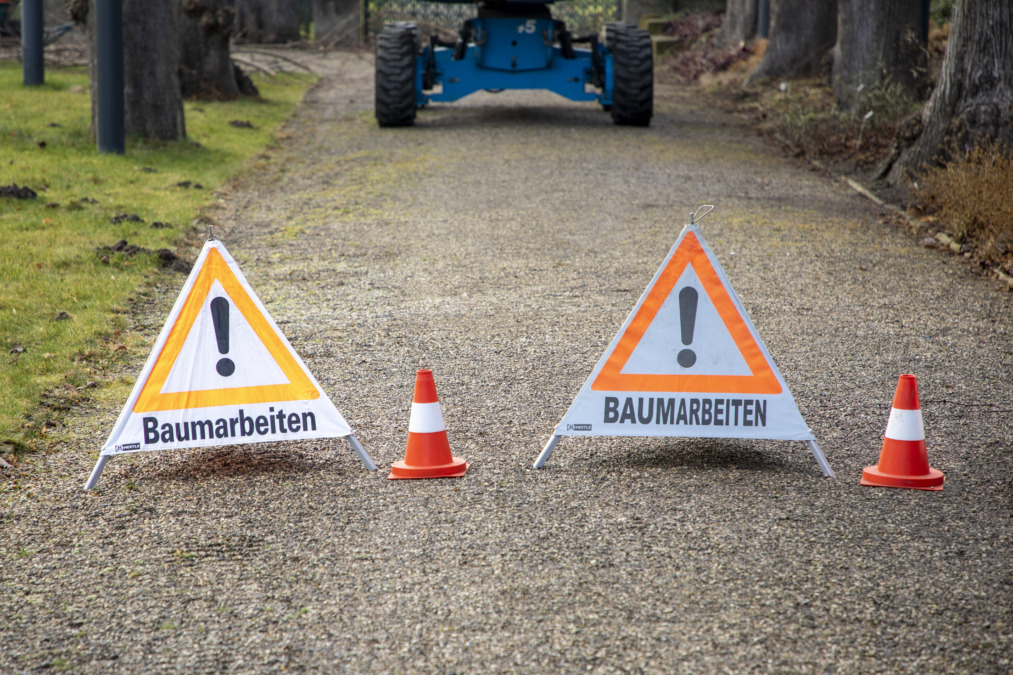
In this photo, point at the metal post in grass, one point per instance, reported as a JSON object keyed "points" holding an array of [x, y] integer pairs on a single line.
{"points": [[763, 21], [109, 127], [33, 66]]}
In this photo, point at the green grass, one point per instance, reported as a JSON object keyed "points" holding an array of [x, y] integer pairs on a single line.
{"points": [[51, 262]]}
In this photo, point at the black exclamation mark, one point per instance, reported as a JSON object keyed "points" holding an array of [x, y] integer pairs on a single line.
{"points": [[687, 317], [220, 317]]}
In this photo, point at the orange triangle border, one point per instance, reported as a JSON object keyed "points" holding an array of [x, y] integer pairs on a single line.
{"points": [[762, 379]]}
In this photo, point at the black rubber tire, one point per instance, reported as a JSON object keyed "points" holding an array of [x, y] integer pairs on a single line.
{"points": [[633, 76], [396, 48], [611, 28]]}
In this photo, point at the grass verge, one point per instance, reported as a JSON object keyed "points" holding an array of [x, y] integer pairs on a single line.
{"points": [[802, 115], [971, 196], [66, 274]]}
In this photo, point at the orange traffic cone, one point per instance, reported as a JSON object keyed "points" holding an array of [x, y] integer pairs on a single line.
{"points": [[903, 462], [428, 454]]}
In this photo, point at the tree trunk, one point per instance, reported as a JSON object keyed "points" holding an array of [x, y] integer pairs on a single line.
{"points": [[973, 100], [267, 21], [877, 42], [153, 106], [740, 21], [206, 69], [802, 32]]}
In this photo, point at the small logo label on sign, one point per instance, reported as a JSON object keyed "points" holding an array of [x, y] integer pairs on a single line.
{"points": [[578, 427]]}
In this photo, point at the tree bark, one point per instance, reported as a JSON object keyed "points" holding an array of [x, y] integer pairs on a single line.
{"points": [[267, 21], [877, 42], [206, 69], [153, 106], [802, 32], [740, 21], [973, 99]]}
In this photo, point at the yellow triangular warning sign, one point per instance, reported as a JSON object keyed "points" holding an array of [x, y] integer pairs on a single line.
{"points": [[222, 373], [215, 274]]}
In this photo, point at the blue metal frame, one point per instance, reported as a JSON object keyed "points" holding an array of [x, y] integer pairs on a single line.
{"points": [[512, 53]]}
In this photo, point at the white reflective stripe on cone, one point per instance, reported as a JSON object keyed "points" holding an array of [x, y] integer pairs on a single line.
{"points": [[426, 418], [905, 425]]}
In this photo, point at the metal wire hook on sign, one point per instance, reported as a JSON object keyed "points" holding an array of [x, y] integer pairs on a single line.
{"points": [[696, 216]]}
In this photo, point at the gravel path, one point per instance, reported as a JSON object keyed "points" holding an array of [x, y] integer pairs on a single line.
{"points": [[501, 242]]}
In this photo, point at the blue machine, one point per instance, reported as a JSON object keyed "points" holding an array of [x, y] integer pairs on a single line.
{"points": [[514, 45]]}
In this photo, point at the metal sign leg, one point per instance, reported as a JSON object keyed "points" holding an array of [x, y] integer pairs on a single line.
{"points": [[820, 459], [361, 452], [96, 472], [546, 451]]}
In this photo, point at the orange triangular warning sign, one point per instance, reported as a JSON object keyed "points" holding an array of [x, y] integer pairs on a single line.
{"points": [[222, 373], [687, 362], [688, 372]]}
